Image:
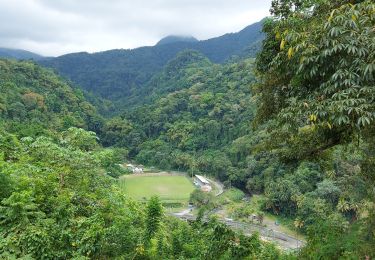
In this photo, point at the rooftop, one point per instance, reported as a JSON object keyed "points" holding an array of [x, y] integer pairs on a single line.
{"points": [[202, 179]]}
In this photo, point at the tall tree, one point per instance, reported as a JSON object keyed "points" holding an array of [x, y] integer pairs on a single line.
{"points": [[154, 217]]}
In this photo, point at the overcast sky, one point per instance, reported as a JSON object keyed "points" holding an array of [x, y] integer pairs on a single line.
{"points": [[55, 27]]}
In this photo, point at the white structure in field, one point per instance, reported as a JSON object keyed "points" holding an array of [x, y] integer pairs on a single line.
{"points": [[135, 169], [203, 183]]}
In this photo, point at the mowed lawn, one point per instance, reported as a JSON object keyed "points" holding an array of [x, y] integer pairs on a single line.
{"points": [[169, 188]]}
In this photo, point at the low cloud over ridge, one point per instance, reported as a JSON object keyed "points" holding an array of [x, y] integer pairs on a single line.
{"points": [[62, 26]]}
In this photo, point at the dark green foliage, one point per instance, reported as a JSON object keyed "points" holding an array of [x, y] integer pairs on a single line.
{"points": [[195, 111], [176, 75], [221, 240], [119, 74]]}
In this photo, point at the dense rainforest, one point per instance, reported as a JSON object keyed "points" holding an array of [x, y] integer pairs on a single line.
{"points": [[58, 199], [295, 124]]}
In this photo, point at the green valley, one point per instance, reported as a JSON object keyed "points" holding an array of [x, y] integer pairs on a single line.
{"points": [[280, 118]]}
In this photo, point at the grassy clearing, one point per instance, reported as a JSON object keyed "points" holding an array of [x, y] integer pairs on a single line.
{"points": [[286, 225], [169, 188]]}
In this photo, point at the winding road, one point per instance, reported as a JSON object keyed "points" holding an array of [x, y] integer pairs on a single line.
{"points": [[284, 241]]}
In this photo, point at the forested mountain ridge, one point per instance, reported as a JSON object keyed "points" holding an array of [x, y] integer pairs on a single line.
{"points": [[19, 54], [175, 38], [116, 74]]}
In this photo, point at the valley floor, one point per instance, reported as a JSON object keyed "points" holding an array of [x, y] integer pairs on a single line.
{"points": [[176, 187]]}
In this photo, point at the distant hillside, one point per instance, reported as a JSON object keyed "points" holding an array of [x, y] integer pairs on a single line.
{"points": [[19, 54], [175, 38], [117, 74], [172, 77]]}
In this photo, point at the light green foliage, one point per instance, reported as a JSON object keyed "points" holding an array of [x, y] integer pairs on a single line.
{"points": [[331, 65], [316, 99], [343, 61], [234, 195], [153, 218], [79, 139], [111, 160], [214, 240], [35, 101], [59, 205], [200, 198]]}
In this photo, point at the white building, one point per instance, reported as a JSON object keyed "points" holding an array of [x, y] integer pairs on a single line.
{"points": [[137, 170], [203, 183]]}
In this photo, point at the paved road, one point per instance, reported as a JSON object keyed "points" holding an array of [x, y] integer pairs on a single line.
{"points": [[284, 241]]}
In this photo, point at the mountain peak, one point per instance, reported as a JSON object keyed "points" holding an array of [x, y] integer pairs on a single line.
{"points": [[176, 38]]}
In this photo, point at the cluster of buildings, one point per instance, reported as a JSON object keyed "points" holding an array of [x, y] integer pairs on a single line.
{"points": [[202, 183]]}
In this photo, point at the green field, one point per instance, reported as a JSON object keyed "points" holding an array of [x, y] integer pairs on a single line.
{"points": [[169, 188]]}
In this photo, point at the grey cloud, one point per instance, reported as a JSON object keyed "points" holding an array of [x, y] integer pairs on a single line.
{"points": [[54, 27]]}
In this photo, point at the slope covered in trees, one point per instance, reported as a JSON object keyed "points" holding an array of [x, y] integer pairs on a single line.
{"points": [[116, 74], [34, 100], [196, 110]]}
